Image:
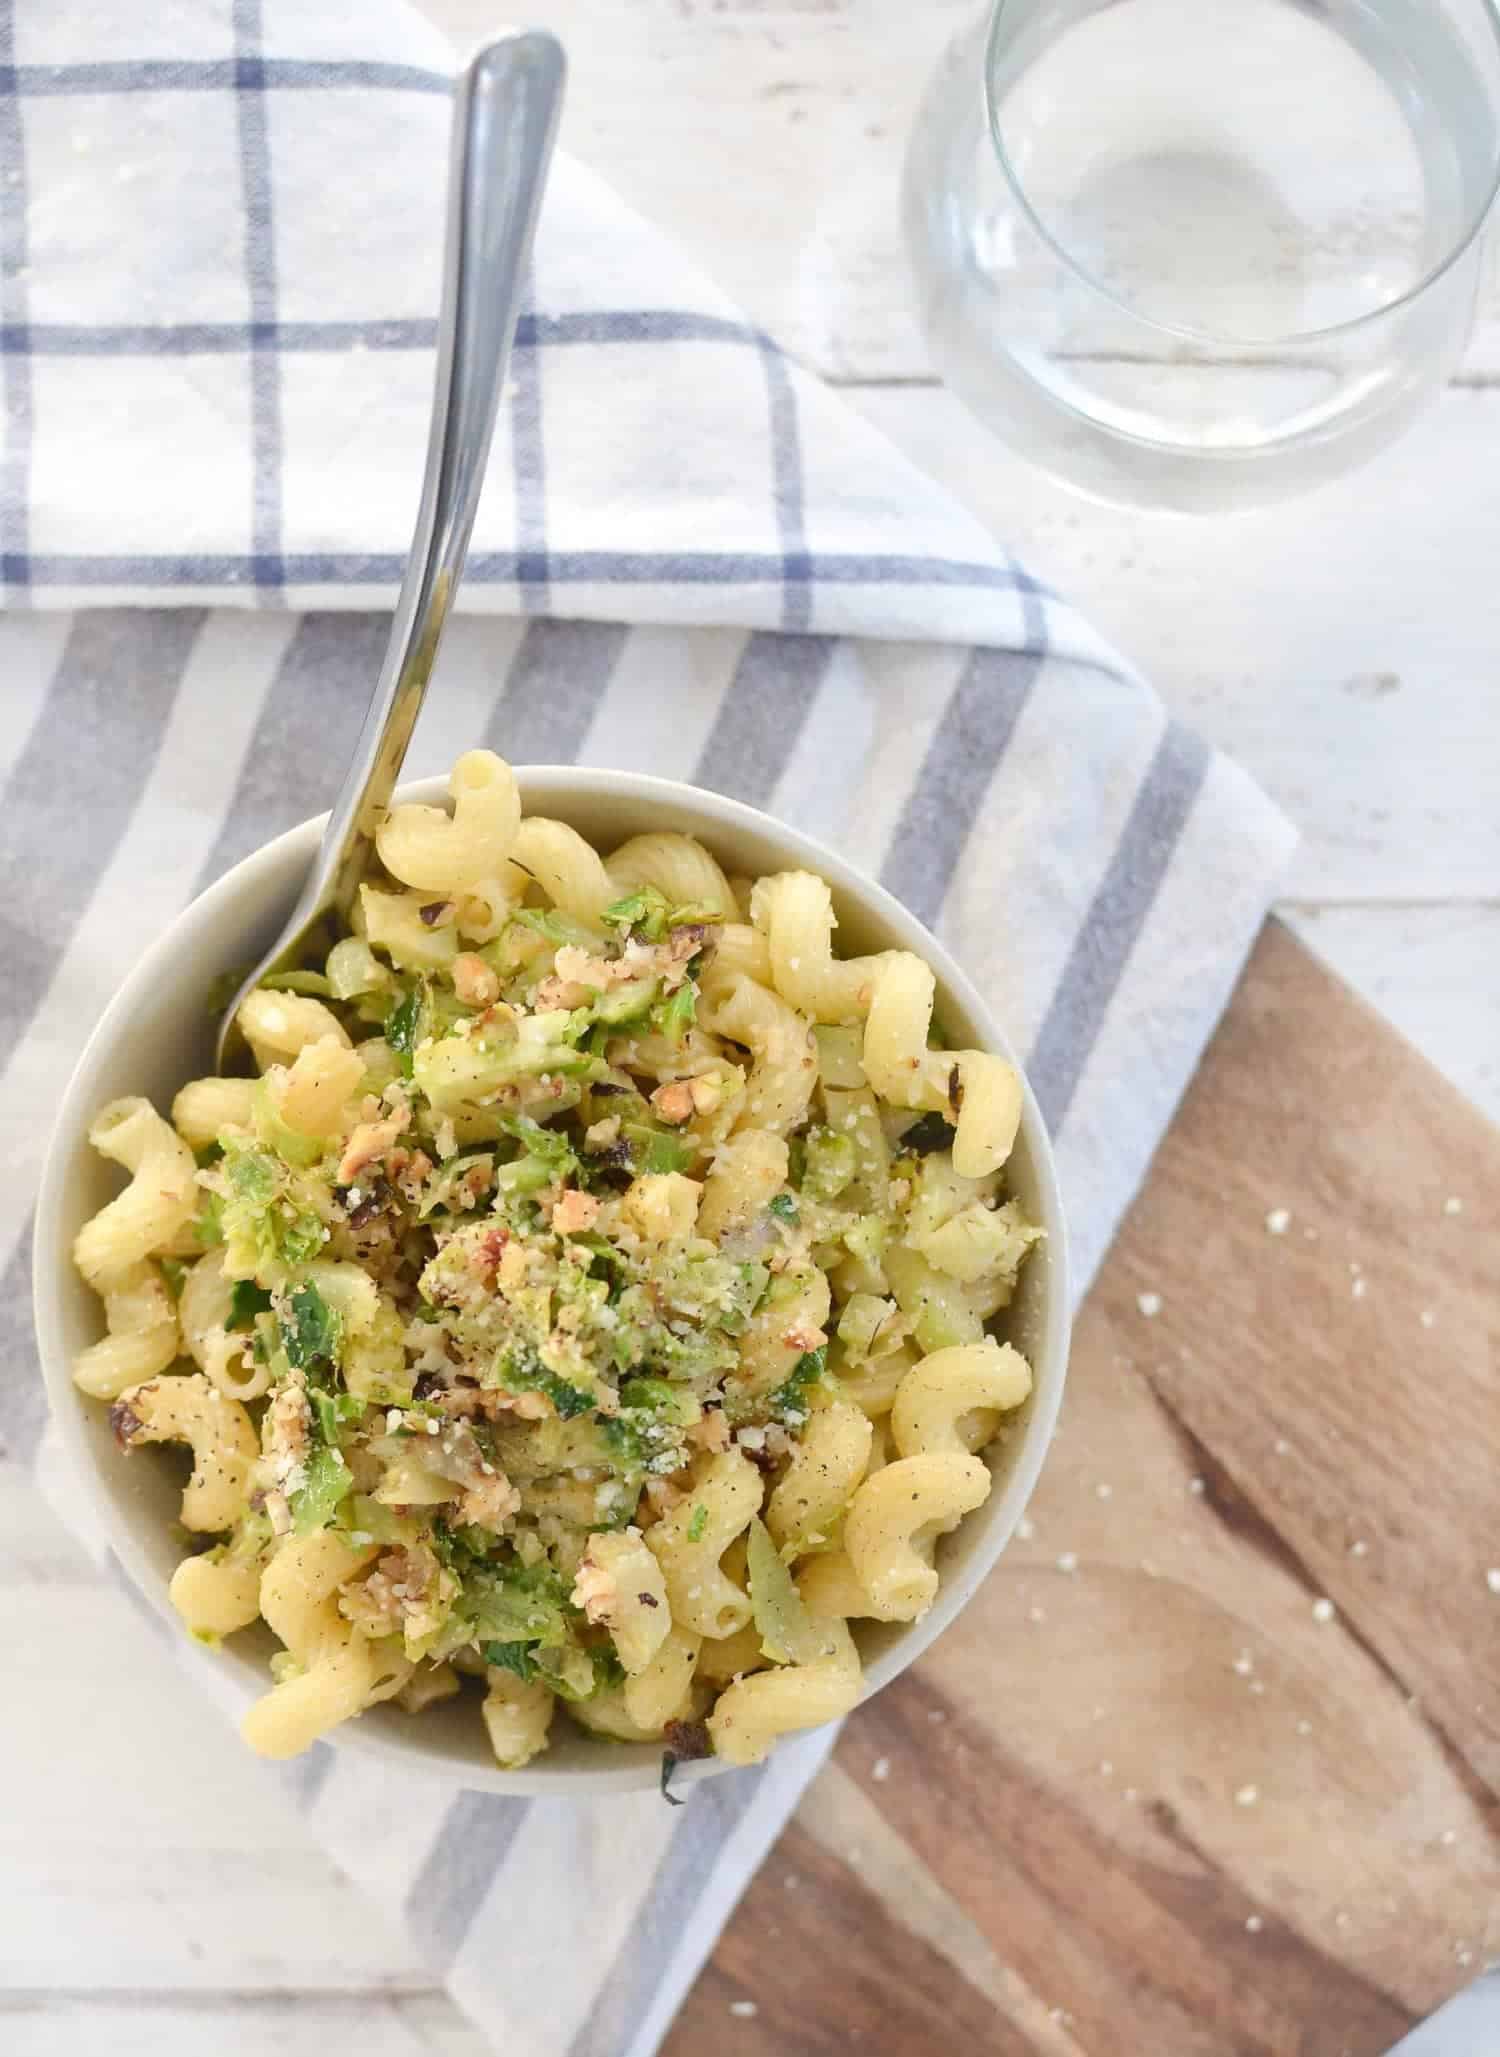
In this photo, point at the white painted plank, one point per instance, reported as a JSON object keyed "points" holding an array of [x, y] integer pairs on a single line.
{"points": [[140, 1846], [1342, 646], [768, 137], [146, 2024], [1433, 972]]}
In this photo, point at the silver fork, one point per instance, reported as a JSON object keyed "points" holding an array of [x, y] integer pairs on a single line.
{"points": [[504, 120]]}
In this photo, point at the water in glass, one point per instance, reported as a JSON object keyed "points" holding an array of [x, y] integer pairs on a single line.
{"points": [[1200, 253]]}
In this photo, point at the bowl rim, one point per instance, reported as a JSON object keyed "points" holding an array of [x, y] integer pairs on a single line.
{"points": [[540, 784]]}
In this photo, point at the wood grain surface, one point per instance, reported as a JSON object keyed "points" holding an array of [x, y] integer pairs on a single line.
{"points": [[1210, 1764]]}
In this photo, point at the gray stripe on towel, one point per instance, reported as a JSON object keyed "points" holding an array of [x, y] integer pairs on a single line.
{"points": [[966, 749], [713, 1812], [23, 1399], [1117, 914], [213, 75], [305, 1777], [319, 568], [529, 474], [788, 487], [762, 714], [558, 676], [15, 458], [252, 117], [305, 734], [446, 1894], [76, 784]]}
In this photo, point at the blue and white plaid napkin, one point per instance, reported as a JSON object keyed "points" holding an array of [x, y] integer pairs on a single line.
{"points": [[218, 265]]}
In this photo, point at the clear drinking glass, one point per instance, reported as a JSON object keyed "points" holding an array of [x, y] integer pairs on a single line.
{"points": [[1202, 253]]}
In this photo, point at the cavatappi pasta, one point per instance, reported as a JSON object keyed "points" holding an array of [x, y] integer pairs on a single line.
{"points": [[591, 1298]]}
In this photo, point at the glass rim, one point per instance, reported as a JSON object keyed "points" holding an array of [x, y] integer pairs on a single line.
{"points": [[1184, 332]]}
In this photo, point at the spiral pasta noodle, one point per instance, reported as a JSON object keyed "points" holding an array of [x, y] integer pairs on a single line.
{"points": [[592, 1310]]}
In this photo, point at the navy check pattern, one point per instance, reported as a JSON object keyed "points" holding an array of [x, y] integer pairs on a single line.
{"points": [[260, 540]]}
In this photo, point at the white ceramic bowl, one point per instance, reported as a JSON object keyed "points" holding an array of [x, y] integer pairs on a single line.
{"points": [[157, 1033]]}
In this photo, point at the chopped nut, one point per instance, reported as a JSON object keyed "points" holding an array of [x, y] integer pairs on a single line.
{"points": [[711, 1431], [286, 1434], [525, 1406], [369, 1143], [411, 1173], [659, 1497], [557, 995], [594, 1589], [707, 1093], [674, 1102], [575, 1212], [474, 982], [490, 1502]]}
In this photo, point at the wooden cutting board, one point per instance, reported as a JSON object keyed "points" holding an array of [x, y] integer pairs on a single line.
{"points": [[1210, 1764]]}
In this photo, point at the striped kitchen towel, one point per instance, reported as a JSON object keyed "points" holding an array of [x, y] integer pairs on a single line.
{"points": [[219, 226]]}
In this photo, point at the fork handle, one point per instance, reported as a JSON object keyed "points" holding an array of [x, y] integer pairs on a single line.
{"points": [[504, 120]]}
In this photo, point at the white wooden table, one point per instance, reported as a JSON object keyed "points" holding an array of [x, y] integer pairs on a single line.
{"points": [[154, 1891]]}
